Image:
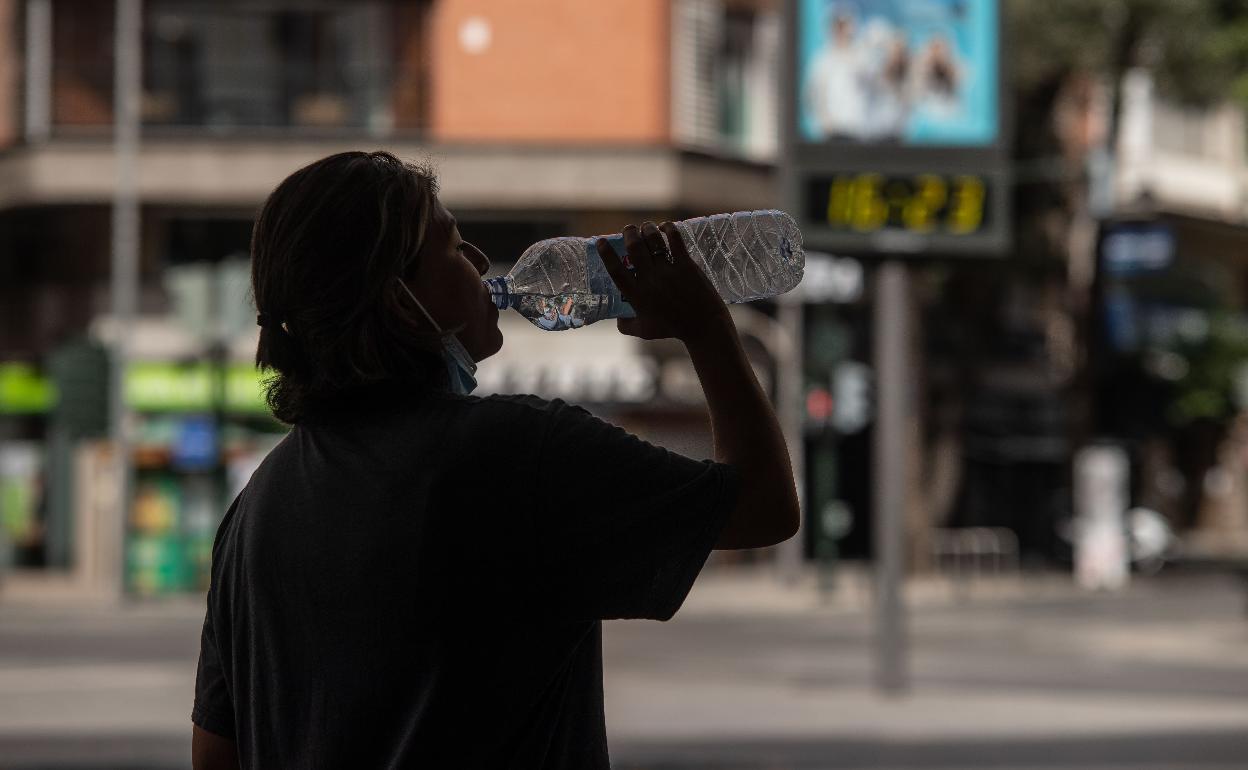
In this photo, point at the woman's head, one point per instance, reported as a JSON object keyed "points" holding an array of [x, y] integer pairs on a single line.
{"points": [[328, 253]]}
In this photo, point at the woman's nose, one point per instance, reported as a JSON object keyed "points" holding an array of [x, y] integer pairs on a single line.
{"points": [[478, 257]]}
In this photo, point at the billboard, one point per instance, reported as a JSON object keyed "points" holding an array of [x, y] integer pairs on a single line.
{"points": [[910, 72], [896, 143]]}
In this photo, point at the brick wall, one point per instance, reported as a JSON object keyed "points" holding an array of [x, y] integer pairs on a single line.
{"points": [[553, 71]]}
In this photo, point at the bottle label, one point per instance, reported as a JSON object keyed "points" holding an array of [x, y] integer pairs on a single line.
{"points": [[600, 282]]}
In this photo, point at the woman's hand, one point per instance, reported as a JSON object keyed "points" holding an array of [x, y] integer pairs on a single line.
{"points": [[673, 298]]}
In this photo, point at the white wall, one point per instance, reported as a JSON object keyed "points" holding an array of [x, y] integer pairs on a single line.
{"points": [[1191, 160]]}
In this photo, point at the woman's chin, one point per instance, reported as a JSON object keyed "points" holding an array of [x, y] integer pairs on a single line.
{"points": [[492, 345]]}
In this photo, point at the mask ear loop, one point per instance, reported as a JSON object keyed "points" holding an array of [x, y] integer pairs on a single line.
{"points": [[454, 346], [424, 312]]}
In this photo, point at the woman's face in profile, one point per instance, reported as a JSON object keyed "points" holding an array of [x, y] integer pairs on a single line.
{"points": [[448, 284]]}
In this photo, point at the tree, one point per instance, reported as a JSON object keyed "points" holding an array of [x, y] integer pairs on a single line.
{"points": [[1059, 51], [1196, 49]]}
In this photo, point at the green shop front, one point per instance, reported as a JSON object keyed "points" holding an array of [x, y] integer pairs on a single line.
{"points": [[200, 429]]}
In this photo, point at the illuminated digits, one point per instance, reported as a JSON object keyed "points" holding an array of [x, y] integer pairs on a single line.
{"points": [[966, 213], [930, 195], [868, 202], [898, 193], [840, 202], [870, 210]]}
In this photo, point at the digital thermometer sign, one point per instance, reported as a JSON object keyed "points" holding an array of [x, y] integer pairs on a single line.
{"points": [[924, 204]]}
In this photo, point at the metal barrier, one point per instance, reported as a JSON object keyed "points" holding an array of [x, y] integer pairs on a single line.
{"points": [[968, 554]]}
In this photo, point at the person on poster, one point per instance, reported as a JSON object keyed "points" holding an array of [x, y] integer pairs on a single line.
{"points": [[939, 81], [887, 85], [834, 96]]}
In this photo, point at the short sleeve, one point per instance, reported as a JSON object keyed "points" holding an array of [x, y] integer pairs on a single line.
{"points": [[214, 710], [622, 527]]}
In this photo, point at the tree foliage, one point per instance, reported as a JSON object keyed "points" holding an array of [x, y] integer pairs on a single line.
{"points": [[1196, 49]]}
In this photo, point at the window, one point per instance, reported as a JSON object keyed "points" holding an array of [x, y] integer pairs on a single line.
{"points": [[243, 64], [264, 64], [82, 62], [724, 77]]}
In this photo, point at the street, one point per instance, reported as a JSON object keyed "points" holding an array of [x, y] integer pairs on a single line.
{"points": [[750, 675]]}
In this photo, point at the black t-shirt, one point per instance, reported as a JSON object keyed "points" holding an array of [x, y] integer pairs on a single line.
{"points": [[419, 582]]}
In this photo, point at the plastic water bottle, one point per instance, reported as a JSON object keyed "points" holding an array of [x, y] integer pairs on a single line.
{"points": [[561, 283]]}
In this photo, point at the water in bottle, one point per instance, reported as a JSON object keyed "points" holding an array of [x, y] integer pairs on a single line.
{"points": [[561, 283]]}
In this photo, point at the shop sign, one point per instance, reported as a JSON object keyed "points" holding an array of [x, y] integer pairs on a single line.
{"points": [[1138, 248], [23, 390], [853, 397], [195, 445], [172, 387], [831, 279], [168, 387], [150, 387], [244, 390]]}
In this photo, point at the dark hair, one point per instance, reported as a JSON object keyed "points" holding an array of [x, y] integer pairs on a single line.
{"points": [[327, 253]]}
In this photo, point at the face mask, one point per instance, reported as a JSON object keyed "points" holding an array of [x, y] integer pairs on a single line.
{"points": [[460, 368]]}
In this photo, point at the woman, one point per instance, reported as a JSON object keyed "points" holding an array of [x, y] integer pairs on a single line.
{"points": [[390, 590]]}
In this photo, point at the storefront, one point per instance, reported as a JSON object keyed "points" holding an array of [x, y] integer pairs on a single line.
{"points": [[25, 399], [1172, 383], [201, 429]]}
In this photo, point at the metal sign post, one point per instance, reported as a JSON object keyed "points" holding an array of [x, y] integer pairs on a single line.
{"points": [[892, 305], [894, 151], [125, 240], [791, 409]]}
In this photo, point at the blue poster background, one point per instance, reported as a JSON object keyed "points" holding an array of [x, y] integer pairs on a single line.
{"points": [[914, 72]]}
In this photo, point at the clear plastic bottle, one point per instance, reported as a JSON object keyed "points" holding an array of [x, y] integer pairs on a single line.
{"points": [[561, 283]]}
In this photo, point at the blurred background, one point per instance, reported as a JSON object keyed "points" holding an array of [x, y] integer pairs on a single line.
{"points": [[1014, 378]]}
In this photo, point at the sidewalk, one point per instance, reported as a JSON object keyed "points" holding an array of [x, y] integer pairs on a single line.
{"points": [[1001, 675], [749, 674], [761, 590]]}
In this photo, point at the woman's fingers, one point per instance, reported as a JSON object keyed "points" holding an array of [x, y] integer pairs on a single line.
{"points": [[638, 254], [675, 242], [655, 244], [663, 284], [611, 261]]}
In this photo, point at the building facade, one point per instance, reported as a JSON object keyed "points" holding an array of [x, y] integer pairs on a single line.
{"points": [[541, 119], [1172, 294]]}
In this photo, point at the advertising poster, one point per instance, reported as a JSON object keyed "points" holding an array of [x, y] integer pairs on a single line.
{"points": [[909, 72]]}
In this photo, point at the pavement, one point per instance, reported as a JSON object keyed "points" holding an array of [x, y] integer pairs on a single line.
{"points": [[1018, 674]]}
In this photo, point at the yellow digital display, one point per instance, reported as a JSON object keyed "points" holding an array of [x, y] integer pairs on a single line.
{"points": [[919, 203]]}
